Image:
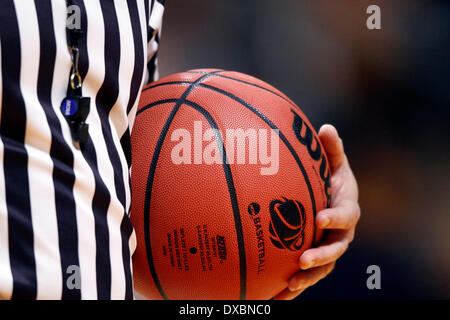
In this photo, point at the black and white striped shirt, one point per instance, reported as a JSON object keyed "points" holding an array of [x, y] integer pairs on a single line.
{"points": [[60, 207]]}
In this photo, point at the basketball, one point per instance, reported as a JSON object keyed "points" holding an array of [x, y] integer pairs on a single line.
{"points": [[227, 177]]}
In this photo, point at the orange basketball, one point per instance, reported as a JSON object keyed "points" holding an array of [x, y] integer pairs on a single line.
{"points": [[227, 177]]}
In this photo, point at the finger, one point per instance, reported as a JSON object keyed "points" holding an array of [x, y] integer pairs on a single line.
{"points": [[333, 145], [287, 294], [344, 216], [304, 279], [330, 251], [339, 166]]}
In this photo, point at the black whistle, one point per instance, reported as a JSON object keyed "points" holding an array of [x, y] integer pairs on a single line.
{"points": [[76, 109]]}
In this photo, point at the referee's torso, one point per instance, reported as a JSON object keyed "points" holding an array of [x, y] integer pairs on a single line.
{"points": [[64, 211]]}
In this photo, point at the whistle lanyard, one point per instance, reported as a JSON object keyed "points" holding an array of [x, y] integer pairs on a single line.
{"points": [[74, 106]]}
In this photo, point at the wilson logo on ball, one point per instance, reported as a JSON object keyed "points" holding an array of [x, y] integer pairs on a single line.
{"points": [[287, 225]]}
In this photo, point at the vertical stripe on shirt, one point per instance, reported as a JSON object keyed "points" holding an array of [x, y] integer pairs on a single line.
{"points": [[6, 281], [60, 153], [15, 159]]}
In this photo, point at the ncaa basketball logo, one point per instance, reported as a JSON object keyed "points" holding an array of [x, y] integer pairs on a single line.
{"points": [[287, 224]]}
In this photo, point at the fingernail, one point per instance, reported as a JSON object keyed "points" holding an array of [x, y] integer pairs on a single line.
{"points": [[308, 264], [325, 222], [294, 284]]}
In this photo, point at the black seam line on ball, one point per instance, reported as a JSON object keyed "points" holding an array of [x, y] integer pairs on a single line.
{"points": [[233, 198], [282, 137], [251, 84], [151, 176], [155, 104], [258, 86], [231, 189], [183, 82], [168, 83]]}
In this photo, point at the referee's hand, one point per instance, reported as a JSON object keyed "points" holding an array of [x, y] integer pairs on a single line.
{"points": [[340, 219]]}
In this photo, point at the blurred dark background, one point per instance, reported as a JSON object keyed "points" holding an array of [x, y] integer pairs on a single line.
{"points": [[387, 92]]}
